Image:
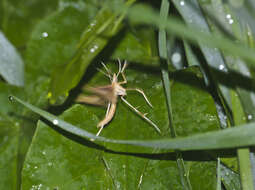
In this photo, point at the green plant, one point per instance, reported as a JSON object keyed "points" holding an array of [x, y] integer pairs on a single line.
{"points": [[193, 59]]}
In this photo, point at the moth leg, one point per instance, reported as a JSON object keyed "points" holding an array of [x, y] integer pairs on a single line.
{"points": [[108, 108], [99, 131], [142, 92], [141, 114], [107, 111], [119, 67], [111, 108]]}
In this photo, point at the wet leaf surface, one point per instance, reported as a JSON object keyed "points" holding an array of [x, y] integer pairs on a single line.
{"points": [[83, 164]]}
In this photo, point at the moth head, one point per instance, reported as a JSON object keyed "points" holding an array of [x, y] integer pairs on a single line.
{"points": [[119, 90]]}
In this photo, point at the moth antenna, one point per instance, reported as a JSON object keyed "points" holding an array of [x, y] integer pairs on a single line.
{"points": [[124, 66], [142, 115], [106, 68], [108, 75], [119, 68], [122, 73]]}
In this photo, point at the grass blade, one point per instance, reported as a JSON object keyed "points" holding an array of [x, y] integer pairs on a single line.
{"points": [[228, 138], [166, 83], [146, 15]]}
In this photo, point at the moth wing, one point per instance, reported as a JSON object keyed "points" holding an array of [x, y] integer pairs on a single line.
{"points": [[94, 100], [105, 92]]}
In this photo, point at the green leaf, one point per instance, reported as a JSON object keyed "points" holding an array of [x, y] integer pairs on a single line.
{"points": [[11, 64], [53, 152], [56, 161]]}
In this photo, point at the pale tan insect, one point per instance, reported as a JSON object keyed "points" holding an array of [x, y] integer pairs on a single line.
{"points": [[109, 95]]}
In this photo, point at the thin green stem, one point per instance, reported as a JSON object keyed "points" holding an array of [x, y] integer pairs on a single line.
{"points": [[243, 154], [166, 82]]}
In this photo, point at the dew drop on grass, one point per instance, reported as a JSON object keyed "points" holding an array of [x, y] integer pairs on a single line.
{"points": [[176, 57], [11, 99], [55, 122], [92, 50], [182, 3], [45, 34], [221, 67], [228, 16], [231, 21]]}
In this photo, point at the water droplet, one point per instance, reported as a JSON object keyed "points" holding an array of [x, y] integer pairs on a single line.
{"points": [[11, 99], [249, 117], [176, 57], [39, 186], [231, 21], [92, 50], [43, 152], [228, 16], [55, 122], [45, 34], [35, 167], [221, 67], [182, 3]]}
